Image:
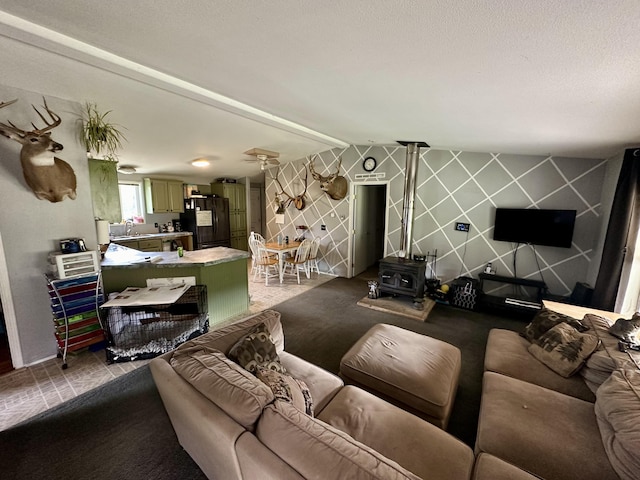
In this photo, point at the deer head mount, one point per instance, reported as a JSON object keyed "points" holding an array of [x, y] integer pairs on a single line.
{"points": [[49, 177], [299, 201], [333, 185]]}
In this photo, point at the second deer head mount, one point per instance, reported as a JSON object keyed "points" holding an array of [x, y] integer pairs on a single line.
{"points": [[334, 185], [299, 201]]}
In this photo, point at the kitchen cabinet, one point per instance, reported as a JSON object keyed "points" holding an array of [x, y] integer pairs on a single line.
{"points": [[236, 194], [153, 245], [163, 196]]}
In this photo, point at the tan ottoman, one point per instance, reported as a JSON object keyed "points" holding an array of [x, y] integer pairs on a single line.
{"points": [[415, 372]]}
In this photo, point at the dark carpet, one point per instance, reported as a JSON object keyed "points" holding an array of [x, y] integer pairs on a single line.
{"points": [[121, 431]]}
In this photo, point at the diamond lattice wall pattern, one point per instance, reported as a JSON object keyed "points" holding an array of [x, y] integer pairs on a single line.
{"points": [[454, 186]]}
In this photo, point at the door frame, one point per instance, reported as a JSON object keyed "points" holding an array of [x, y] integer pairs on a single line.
{"points": [[9, 311], [350, 234]]}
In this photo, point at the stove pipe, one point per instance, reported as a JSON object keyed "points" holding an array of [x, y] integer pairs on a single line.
{"points": [[411, 175]]}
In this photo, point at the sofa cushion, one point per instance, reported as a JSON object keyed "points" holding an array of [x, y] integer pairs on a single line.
{"points": [[564, 349], [322, 384], [507, 354], [417, 445], [488, 467], [317, 450], [223, 338], [608, 356], [256, 349], [627, 330], [241, 395], [287, 389], [541, 431], [546, 319], [618, 412]]}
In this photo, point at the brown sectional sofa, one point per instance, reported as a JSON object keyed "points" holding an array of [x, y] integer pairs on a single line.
{"points": [[583, 427], [233, 428]]}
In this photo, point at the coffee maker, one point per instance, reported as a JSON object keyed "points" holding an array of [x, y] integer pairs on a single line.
{"points": [[177, 226]]}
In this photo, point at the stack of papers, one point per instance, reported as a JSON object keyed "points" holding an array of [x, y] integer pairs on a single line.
{"points": [[134, 296]]}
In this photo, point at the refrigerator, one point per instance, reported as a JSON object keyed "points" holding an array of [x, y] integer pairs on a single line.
{"points": [[208, 218]]}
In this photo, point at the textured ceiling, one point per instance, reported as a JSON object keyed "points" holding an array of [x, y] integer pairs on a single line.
{"points": [[215, 78]]}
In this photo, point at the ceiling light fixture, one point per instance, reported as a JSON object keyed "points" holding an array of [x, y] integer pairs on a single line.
{"points": [[200, 162], [126, 169]]}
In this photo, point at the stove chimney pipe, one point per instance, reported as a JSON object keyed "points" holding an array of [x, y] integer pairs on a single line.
{"points": [[406, 231]]}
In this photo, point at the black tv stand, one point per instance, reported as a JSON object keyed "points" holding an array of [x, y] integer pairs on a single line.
{"points": [[513, 303]]}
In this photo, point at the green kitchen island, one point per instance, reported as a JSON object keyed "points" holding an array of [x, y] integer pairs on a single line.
{"points": [[223, 270]]}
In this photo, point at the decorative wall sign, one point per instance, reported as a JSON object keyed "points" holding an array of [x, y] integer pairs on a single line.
{"points": [[49, 177]]}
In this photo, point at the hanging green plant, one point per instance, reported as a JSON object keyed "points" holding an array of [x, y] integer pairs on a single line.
{"points": [[100, 137]]}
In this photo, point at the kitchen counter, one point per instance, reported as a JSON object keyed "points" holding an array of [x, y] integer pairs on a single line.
{"points": [[222, 270], [147, 236], [123, 257]]}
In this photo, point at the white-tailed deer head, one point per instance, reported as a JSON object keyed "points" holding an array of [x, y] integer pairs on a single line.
{"points": [[299, 201], [49, 177], [334, 185]]}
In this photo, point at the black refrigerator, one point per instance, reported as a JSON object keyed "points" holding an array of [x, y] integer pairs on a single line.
{"points": [[208, 218]]}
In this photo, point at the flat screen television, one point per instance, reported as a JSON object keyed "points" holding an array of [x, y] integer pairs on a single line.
{"points": [[553, 228]]}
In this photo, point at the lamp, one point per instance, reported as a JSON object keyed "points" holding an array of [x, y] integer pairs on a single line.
{"points": [[200, 162], [126, 169]]}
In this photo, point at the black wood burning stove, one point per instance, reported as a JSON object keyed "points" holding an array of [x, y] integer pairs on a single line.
{"points": [[402, 276]]}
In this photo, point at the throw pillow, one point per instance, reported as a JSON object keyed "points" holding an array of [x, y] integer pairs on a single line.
{"points": [[288, 389], [256, 349], [545, 319], [627, 330], [563, 349]]}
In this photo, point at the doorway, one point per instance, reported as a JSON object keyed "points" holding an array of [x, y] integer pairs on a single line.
{"points": [[257, 209], [368, 225]]}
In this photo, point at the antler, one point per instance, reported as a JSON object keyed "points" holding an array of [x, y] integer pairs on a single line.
{"points": [[36, 131], [50, 126], [298, 200], [282, 188], [314, 174]]}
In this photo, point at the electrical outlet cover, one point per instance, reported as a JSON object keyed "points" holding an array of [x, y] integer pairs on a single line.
{"points": [[462, 227]]}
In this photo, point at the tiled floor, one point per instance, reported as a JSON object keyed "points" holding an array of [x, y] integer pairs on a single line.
{"points": [[28, 391]]}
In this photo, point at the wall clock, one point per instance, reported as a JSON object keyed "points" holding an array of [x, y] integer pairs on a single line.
{"points": [[369, 164]]}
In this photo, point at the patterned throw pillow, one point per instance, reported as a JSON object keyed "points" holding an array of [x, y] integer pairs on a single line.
{"points": [[563, 349], [545, 319], [627, 330], [256, 349], [288, 389]]}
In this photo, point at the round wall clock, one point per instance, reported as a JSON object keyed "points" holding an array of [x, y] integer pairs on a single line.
{"points": [[369, 164]]}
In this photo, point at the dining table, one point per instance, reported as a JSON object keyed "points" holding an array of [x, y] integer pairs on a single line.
{"points": [[281, 249]]}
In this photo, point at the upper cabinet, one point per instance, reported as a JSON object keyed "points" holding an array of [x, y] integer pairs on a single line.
{"points": [[163, 196]]}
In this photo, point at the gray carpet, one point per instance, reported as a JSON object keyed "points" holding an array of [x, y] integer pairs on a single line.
{"points": [[121, 431]]}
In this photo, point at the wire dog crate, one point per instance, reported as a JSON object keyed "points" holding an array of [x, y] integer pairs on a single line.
{"points": [[146, 331]]}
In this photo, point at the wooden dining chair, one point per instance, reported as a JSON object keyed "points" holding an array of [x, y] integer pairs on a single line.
{"points": [[299, 260], [312, 260], [265, 264]]}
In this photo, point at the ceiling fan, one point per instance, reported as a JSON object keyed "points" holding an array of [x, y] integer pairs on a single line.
{"points": [[267, 158]]}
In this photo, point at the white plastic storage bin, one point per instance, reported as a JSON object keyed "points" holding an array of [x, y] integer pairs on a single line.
{"points": [[67, 265]]}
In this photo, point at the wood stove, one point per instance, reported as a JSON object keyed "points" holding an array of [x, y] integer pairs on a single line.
{"points": [[402, 276]]}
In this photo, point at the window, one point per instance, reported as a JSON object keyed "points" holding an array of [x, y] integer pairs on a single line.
{"points": [[131, 201]]}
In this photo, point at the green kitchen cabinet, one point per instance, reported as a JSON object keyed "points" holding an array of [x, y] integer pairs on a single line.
{"points": [[164, 196], [236, 194], [105, 194]]}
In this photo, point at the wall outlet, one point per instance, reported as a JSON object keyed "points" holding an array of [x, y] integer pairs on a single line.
{"points": [[462, 227], [323, 227]]}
